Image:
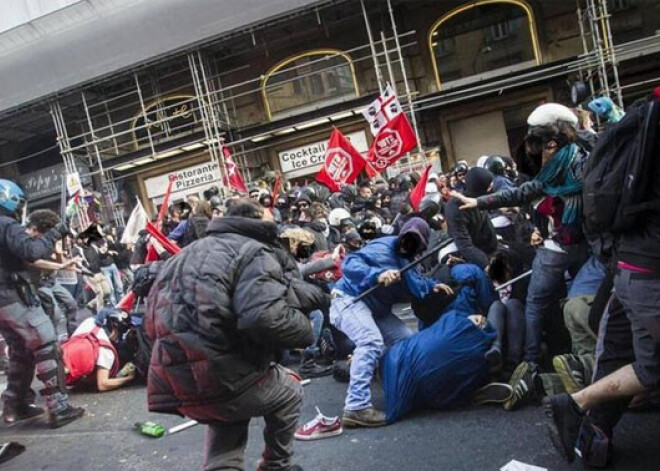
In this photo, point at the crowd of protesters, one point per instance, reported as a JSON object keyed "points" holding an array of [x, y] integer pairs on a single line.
{"points": [[312, 277]]}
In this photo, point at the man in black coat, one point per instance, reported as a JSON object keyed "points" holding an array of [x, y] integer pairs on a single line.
{"points": [[472, 231], [219, 313]]}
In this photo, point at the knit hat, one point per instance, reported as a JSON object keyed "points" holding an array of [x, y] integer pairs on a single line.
{"points": [[477, 182]]}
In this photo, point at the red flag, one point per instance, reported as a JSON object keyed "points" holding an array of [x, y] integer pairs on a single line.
{"points": [[233, 178], [276, 190], [420, 190], [166, 203], [126, 303], [164, 241], [343, 163], [371, 171], [392, 142]]}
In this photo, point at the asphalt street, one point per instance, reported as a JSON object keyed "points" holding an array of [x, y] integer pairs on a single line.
{"points": [[470, 438]]}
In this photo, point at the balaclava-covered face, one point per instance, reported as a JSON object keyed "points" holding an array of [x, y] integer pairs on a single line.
{"points": [[477, 182]]}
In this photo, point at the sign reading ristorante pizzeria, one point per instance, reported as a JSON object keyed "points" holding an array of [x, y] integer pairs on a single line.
{"points": [[308, 159], [185, 179]]}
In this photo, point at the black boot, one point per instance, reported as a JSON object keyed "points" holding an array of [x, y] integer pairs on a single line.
{"points": [[309, 368], [13, 413], [65, 417]]}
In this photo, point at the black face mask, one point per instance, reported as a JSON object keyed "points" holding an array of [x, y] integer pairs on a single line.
{"points": [[353, 247], [303, 252], [408, 244]]}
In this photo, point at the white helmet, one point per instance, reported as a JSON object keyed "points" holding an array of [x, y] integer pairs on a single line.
{"points": [[550, 113], [337, 215]]}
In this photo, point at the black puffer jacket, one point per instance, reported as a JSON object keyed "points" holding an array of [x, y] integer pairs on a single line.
{"points": [[220, 310]]}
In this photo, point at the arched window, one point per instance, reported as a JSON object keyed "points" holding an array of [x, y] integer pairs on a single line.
{"points": [[308, 80], [483, 37]]}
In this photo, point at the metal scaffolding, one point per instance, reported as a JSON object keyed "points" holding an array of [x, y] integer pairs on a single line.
{"points": [[103, 123], [598, 43], [202, 100]]}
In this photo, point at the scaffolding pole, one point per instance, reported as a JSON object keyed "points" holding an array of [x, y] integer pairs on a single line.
{"points": [[205, 111], [147, 122], [406, 84], [215, 120], [68, 158], [379, 77], [611, 55], [109, 210]]}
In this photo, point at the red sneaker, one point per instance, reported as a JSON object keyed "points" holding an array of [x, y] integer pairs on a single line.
{"points": [[320, 427]]}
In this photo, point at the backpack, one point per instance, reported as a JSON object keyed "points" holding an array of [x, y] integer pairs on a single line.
{"points": [[144, 277], [195, 229], [143, 355], [618, 177], [80, 354]]}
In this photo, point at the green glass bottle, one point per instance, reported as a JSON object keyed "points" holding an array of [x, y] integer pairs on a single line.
{"points": [[150, 429]]}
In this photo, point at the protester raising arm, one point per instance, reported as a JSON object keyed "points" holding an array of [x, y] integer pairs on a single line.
{"points": [[524, 194], [31, 249]]}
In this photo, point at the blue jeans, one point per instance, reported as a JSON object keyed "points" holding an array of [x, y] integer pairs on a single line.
{"points": [[370, 334], [544, 289], [114, 279], [316, 316]]}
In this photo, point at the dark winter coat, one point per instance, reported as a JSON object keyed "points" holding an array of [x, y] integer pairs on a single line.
{"points": [[220, 310], [472, 231], [17, 248]]}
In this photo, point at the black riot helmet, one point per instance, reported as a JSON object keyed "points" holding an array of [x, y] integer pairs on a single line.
{"points": [[496, 165]]}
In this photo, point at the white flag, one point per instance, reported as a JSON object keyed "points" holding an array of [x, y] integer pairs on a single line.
{"points": [[382, 110], [136, 222]]}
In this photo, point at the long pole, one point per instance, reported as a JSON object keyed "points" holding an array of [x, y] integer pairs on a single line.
{"points": [[610, 51], [408, 267], [388, 62], [404, 75], [379, 77], [514, 280]]}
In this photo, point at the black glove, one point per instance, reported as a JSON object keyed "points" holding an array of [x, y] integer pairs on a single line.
{"points": [[306, 296]]}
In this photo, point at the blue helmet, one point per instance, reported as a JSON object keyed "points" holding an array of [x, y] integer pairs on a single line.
{"points": [[12, 198]]}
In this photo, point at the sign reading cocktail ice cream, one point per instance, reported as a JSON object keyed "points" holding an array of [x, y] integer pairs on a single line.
{"points": [[309, 159]]}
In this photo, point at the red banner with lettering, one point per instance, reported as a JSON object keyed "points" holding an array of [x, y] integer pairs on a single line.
{"points": [[394, 140], [343, 162]]}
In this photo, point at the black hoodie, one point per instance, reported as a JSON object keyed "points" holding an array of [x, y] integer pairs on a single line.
{"points": [[472, 231]]}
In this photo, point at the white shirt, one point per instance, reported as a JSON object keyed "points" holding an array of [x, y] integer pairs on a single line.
{"points": [[106, 356]]}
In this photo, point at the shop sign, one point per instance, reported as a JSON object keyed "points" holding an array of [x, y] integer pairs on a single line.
{"points": [[309, 158], [189, 178], [48, 181]]}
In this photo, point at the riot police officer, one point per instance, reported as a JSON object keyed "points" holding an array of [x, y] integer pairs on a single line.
{"points": [[27, 329]]}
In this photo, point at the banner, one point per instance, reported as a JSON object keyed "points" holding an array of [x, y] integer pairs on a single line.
{"points": [[382, 110], [166, 203], [276, 190], [419, 191], [233, 178], [136, 222], [343, 163], [392, 142]]}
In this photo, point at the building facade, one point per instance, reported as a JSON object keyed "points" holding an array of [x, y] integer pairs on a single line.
{"points": [[271, 86]]}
